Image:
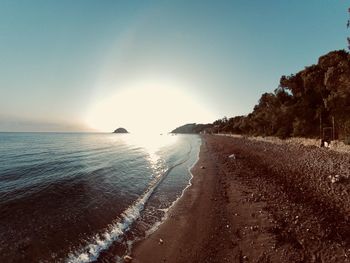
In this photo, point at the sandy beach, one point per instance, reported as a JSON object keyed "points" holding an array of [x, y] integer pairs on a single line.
{"points": [[270, 203]]}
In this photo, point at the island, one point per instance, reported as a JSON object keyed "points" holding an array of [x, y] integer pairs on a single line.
{"points": [[120, 130]]}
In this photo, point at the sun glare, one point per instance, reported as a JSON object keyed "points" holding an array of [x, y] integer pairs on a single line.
{"points": [[146, 108]]}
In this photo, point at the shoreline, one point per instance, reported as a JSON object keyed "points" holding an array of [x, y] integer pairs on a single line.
{"points": [[174, 230], [270, 203], [335, 145], [173, 204]]}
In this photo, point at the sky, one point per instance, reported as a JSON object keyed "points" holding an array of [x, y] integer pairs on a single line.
{"points": [[98, 65]]}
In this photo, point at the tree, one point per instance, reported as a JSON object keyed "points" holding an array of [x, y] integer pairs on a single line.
{"points": [[348, 25]]}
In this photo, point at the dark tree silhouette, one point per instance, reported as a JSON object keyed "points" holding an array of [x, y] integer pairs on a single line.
{"points": [[303, 104], [318, 93], [348, 25]]}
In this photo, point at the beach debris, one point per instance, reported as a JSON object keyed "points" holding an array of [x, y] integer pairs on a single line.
{"points": [[232, 156], [161, 241], [334, 179], [202, 167], [127, 259], [337, 178], [254, 228]]}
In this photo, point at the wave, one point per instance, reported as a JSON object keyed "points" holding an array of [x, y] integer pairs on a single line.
{"points": [[166, 210], [114, 233]]}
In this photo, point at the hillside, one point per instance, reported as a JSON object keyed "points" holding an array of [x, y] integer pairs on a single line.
{"points": [[191, 128], [304, 104]]}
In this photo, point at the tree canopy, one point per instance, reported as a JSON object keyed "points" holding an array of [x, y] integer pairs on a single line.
{"points": [[315, 95], [348, 26]]}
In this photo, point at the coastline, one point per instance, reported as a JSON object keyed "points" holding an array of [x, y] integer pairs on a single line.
{"points": [[270, 203], [177, 234]]}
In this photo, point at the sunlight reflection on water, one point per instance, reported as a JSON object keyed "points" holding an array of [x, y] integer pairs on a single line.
{"points": [[151, 144]]}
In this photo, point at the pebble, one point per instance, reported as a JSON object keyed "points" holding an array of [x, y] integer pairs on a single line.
{"points": [[127, 259]]}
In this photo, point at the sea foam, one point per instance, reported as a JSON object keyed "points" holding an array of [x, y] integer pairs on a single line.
{"points": [[102, 241], [115, 232]]}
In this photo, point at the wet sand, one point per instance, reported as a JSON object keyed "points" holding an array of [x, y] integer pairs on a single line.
{"points": [[271, 203]]}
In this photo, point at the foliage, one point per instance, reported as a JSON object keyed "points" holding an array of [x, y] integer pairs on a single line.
{"points": [[316, 94], [302, 105], [192, 128], [347, 140], [348, 26]]}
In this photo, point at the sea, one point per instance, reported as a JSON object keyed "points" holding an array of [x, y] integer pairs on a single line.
{"points": [[87, 197]]}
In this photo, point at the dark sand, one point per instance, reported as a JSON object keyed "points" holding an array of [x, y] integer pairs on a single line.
{"points": [[272, 203]]}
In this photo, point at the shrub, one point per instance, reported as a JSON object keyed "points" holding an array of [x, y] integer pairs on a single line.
{"points": [[347, 140]]}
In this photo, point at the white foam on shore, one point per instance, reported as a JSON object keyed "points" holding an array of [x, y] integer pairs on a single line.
{"points": [[166, 210], [103, 241]]}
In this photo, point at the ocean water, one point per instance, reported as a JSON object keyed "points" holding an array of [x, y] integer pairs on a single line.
{"points": [[87, 197]]}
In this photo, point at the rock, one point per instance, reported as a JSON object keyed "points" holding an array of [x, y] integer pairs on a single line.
{"points": [[232, 156], [161, 241], [120, 130], [127, 259], [202, 167], [254, 228], [336, 178]]}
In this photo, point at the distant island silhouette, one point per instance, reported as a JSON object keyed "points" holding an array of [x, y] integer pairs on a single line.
{"points": [[120, 130]]}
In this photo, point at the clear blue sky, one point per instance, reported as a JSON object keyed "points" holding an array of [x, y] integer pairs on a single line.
{"points": [[59, 59]]}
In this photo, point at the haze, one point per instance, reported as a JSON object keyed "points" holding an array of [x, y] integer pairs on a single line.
{"points": [[154, 65]]}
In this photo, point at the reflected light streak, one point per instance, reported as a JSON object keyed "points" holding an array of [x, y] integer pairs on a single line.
{"points": [[151, 145]]}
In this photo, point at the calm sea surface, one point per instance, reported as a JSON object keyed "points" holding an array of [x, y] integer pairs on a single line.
{"points": [[86, 197]]}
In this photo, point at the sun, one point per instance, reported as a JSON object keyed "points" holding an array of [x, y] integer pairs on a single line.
{"points": [[148, 107]]}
